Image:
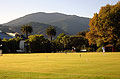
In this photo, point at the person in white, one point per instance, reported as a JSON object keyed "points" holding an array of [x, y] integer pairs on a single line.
{"points": [[103, 48]]}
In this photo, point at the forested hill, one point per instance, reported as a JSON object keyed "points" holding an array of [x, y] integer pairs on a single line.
{"points": [[38, 28], [69, 23]]}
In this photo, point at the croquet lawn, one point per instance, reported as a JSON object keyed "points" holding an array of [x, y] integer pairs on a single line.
{"points": [[60, 66]]}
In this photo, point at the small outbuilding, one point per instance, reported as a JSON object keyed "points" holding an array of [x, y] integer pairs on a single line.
{"points": [[109, 48]]}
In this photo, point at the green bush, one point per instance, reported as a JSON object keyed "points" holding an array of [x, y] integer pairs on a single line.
{"points": [[89, 49], [67, 50], [117, 46], [10, 45], [37, 43], [99, 49], [57, 46]]}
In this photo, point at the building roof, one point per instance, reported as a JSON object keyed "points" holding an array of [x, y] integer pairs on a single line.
{"points": [[4, 35]]}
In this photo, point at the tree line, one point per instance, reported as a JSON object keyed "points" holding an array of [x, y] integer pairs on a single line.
{"points": [[38, 43]]}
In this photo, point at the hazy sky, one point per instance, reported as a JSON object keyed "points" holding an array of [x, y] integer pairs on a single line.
{"points": [[12, 9]]}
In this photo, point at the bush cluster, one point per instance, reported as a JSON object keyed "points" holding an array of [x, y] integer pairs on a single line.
{"points": [[39, 44], [10, 45]]}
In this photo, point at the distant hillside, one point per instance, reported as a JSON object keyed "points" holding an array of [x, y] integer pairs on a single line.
{"points": [[5, 29], [38, 28], [69, 23]]}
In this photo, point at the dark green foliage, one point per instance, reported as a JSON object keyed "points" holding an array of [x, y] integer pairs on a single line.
{"points": [[37, 43], [10, 45], [59, 37], [117, 47], [51, 31], [79, 42], [99, 49], [5, 47], [56, 46], [67, 42], [90, 49], [59, 45], [26, 29]]}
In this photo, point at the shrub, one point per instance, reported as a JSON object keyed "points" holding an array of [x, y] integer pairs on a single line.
{"points": [[10, 45], [89, 49], [37, 43], [99, 49], [67, 50]]}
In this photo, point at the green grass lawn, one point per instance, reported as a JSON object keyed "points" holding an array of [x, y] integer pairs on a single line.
{"points": [[60, 66]]}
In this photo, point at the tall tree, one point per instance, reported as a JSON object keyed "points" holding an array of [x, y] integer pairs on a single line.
{"points": [[105, 25], [26, 29], [51, 31]]}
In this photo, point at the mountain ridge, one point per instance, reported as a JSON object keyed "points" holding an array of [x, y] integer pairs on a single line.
{"points": [[69, 23]]}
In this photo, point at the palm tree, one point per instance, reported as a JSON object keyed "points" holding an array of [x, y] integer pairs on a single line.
{"points": [[51, 31], [26, 29]]}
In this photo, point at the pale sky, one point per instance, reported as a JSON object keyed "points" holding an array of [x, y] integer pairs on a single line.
{"points": [[12, 9]]}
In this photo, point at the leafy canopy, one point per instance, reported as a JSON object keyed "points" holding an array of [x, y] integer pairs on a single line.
{"points": [[26, 29], [51, 31], [105, 25]]}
